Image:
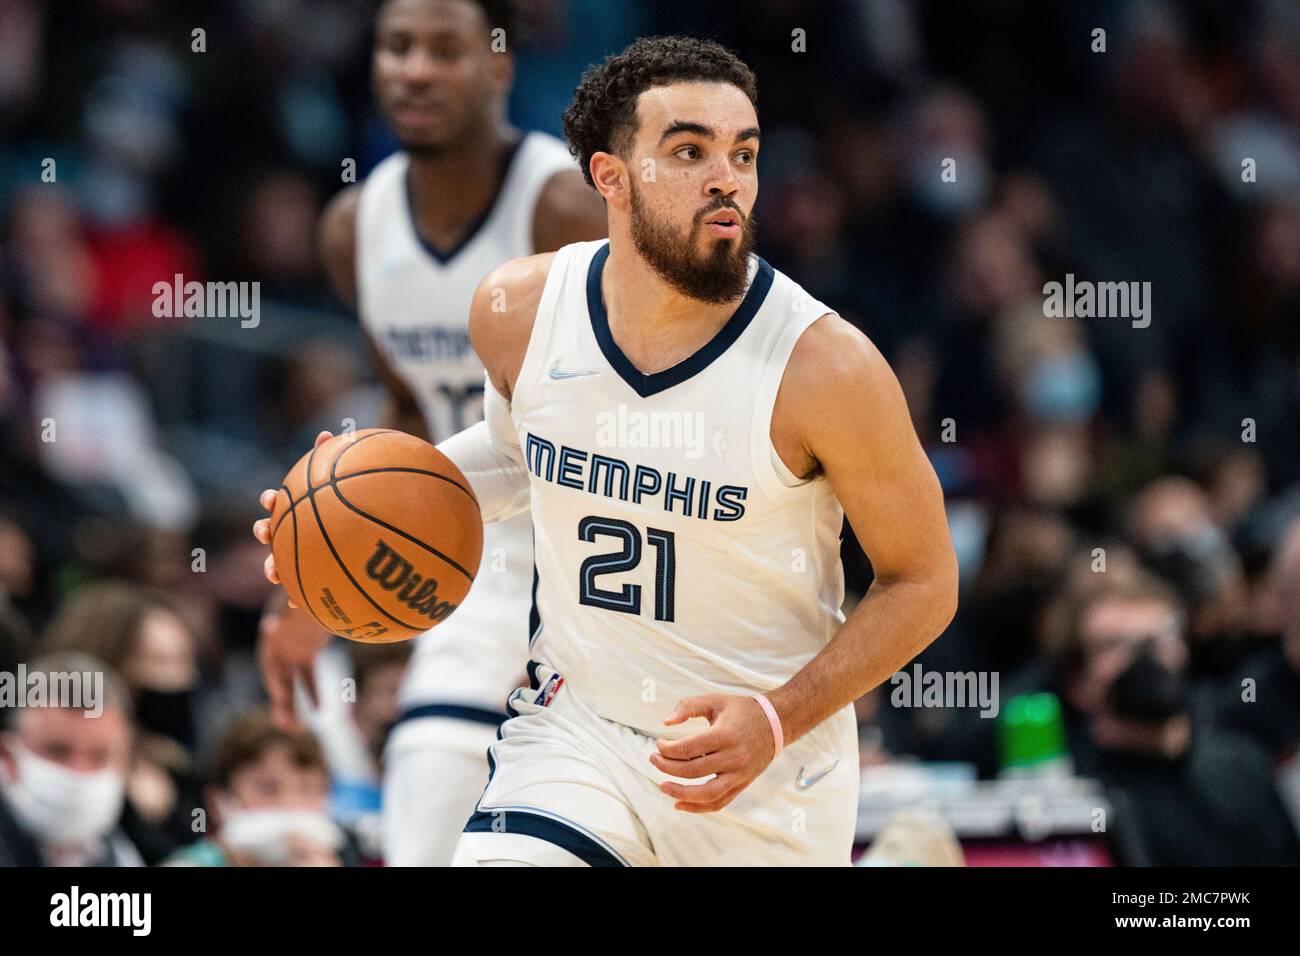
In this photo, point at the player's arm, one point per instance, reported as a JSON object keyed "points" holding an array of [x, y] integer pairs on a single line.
{"points": [[839, 411], [568, 210], [501, 317], [500, 324], [847, 412], [337, 243]]}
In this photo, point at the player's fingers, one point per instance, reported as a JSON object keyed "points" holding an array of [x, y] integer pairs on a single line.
{"points": [[696, 745], [267, 499], [688, 707], [713, 807], [696, 793], [268, 568], [322, 438], [699, 767], [262, 530]]}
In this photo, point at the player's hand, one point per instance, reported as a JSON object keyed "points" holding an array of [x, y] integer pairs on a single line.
{"points": [[287, 644], [737, 747], [262, 526]]}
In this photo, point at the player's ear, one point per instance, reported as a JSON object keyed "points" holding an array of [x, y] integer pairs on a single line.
{"points": [[609, 174]]}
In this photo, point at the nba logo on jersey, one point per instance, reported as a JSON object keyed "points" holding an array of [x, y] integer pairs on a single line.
{"points": [[549, 690]]}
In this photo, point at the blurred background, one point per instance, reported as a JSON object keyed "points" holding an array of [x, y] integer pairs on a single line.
{"points": [[1092, 469]]}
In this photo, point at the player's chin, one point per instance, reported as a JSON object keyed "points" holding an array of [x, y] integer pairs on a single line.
{"points": [[423, 137]]}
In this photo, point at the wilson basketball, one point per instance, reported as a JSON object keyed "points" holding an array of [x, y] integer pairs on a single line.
{"points": [[377, 534]]}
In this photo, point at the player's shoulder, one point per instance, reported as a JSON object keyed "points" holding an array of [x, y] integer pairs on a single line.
{"points": [[339, 217], [515, 284], [504, 309], [833, 361], [502, 313], [567, 208]]}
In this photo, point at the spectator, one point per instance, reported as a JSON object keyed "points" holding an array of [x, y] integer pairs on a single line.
{"points": [[267, 802], [142, 634], [63, 774], [1183, 792]]}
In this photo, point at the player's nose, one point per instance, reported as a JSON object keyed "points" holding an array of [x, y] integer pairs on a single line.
{"points": [[722, 181], [420, 67]]}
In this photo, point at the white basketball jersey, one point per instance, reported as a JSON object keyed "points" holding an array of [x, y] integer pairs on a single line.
{"points": [[414, 304], [677, 555]]}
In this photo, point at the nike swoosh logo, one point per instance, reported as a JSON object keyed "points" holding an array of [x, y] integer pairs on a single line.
{"points": [[805, 783], [562, 373]]}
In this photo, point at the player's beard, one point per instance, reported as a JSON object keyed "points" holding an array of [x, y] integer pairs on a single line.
{"points": [[719, 275]]}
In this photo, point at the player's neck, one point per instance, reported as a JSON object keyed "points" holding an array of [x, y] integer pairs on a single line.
{"points": [[654, 324], [452, 187]]}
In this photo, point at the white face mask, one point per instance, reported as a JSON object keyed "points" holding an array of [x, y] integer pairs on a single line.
{"points": [[265, 834], [60, 806]]}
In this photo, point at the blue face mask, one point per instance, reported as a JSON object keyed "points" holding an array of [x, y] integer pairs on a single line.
{"points": [[1065, 388]]}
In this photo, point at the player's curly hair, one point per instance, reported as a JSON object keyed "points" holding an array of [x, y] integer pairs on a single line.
{"points": [[602, 117]]}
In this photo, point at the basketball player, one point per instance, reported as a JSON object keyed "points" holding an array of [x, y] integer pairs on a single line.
{"points": [[408, 247], [692, 675]]}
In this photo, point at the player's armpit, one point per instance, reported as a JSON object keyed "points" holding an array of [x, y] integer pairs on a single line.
{"points": [[501, 316]]}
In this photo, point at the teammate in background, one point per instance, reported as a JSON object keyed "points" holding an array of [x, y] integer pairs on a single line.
{"points": [[692, 672], [407, 247]]}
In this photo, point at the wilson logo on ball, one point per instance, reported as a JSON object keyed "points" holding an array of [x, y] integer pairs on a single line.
{"points": [[392, 572]]}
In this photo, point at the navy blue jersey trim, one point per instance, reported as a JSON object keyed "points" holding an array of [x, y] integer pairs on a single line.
{"points": [[646, 385], [534, 615], [444, 257], [543, 828], [477, 715]]}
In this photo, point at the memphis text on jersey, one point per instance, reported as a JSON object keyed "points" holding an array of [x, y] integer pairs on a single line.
{"points": [[613, 477]]}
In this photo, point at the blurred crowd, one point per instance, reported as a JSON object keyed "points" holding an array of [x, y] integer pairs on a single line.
{"points": [[1125, 501]]}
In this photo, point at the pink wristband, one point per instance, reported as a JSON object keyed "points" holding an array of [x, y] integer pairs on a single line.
{"points": [[778, 737]]}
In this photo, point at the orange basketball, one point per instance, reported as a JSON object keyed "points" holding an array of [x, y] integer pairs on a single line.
{"points": [[377, 534]]}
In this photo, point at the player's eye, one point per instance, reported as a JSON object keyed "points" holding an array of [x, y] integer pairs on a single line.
{"points": [[449, 50], [745, 157], [687, 152]]}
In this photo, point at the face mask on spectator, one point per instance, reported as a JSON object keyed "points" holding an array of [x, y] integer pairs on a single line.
{"points": [[63, 806], [266, 834], [1197, 560], [166, 712], [1066, 388], [1147, 690]]}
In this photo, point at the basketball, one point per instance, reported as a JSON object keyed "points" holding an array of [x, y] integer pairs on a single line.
{"points": [[377, 534]]}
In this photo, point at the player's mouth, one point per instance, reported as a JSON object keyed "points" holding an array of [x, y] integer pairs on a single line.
{"points": [[418, 113], [723, 224]]}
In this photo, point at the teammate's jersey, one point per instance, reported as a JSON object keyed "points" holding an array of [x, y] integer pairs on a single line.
{"points": [[414, 304], [676, 553]]}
